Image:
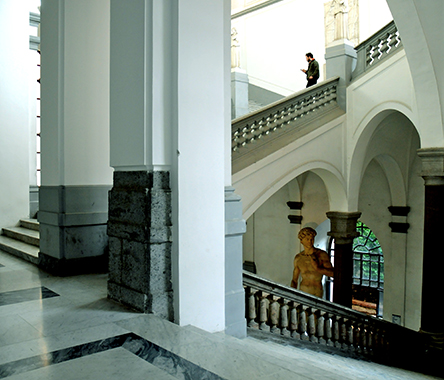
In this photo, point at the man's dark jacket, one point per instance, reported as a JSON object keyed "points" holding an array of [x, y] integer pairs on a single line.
{"points": [[313, 69]]}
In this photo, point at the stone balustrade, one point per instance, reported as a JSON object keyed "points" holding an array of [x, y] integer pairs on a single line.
{"points": [[282, 310], [376, 48], [259, 134], [282, 114]]}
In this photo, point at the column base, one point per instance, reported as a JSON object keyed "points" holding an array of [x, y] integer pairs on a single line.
{"points": [[139, 242], [71, 267], [73, 236]]}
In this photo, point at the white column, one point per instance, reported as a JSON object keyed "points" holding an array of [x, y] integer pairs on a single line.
{"points": [[75, 82], [168, 114], [14, 132], [76, 175], [143, 84], [199, 170]]}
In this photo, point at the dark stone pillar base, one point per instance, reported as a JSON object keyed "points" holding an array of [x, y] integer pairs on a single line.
{"points": [[139, 230], [343, 230]]}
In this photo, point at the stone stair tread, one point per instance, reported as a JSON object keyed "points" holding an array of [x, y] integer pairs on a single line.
{"points": [[19, 249], [23, 234], [23, 231], [32, 224]]}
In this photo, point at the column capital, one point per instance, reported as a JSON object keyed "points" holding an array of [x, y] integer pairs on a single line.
{"points": [[432, 165], [343, 226]]}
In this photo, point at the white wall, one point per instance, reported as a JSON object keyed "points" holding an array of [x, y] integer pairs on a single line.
{"points": [[14, 128], [275, 39], [373, 15], [274, 42]]}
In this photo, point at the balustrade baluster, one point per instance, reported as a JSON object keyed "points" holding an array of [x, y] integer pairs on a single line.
{"points": [[376, 52], [294, 320], [393, 41], [384, 342], [284, 317], [263, 312], [337, 338], [311, 325], [370, 338], [274, 313], [377, 341], [369, 58], [364, 338], [303, 323], [328, 323], [384, 45], [343, 327], [251, 310], [349, 336], [357, 336], [321, 327]]}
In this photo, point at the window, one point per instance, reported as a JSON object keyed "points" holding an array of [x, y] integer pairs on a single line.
{"points": [[368, 261], [368, 271]]}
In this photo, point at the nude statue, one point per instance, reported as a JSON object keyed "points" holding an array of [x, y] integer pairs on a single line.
{"points": [[311, 264]]}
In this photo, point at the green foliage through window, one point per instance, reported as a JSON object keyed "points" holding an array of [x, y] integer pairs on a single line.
{"points": [[368, 260]]}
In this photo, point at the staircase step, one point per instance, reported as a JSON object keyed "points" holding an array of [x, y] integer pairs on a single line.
{"points": [[23, 234], [17, 248], [31, 224]]}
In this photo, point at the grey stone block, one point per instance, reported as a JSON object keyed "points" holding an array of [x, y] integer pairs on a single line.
{"points": [[115, 260], [135, 266], [139, 228], [128, 206], [160, 269], [160, 212], [142, 179]]}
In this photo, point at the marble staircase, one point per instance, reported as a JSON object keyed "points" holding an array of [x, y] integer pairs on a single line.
{"points": [[22, 240]]}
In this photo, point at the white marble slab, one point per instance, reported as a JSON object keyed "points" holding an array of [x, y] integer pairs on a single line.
{"points": [[116, 364]]}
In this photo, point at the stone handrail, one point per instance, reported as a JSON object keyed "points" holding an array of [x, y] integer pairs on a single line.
{"points": [[286, 311], [376, 48], [281, 114]]}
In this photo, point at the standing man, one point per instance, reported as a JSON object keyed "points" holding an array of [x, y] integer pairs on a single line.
{"points": [[313, 70], [311, 264]]}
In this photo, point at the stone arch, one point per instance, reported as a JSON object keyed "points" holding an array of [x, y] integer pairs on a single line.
{"points": [[332, 178], [394, 178], [420, 26], [359, 157]]}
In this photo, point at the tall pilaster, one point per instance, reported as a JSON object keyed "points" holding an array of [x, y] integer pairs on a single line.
{"points": [[433, 174], [76, 175], [395, 263], [168, 102], [343, 230], [14, 133], [235, 227]]}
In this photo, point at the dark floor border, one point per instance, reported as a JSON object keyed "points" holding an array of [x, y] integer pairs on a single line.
{"points": [[171, 363], [24, 295]]}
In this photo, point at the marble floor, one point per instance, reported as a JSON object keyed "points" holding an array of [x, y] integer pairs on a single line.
{"points": [[66, 328]]}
